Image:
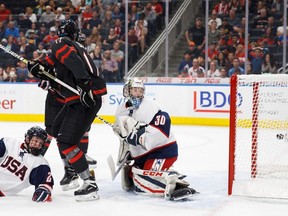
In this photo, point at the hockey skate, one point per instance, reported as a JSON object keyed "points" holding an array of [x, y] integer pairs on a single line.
{"points": [[70, 179], [183, 194], [180, 191], [91, 162], [88, 191]]}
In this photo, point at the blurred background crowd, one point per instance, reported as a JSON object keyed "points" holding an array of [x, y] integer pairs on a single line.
{"points": [[29, 28]]}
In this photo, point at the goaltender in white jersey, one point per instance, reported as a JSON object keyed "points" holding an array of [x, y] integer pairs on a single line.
{"points": [[145, 133], [22, 165]]}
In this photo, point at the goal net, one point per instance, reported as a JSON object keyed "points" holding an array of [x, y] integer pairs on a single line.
{"points": [[258, 161]]}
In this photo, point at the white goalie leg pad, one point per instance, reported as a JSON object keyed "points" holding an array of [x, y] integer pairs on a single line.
{"points": [[157, 183], [148, 182], [126, 179]]}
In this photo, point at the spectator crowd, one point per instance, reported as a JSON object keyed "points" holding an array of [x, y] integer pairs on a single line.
{"points": [[226, 40], [29, 28]]}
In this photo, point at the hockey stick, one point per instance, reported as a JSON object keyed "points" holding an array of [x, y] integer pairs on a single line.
{"points": [[50, 76], [41, 68], [104, 121], [111, 164]]}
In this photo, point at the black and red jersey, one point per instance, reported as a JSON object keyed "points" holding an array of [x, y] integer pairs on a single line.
{"points": [[73, 65]]}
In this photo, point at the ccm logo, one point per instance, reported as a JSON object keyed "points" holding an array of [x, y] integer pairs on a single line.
{"points": [[152, 173]]}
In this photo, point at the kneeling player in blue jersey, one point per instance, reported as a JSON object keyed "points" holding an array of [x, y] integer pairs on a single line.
{"points": [[22, 165], [145, 133]]}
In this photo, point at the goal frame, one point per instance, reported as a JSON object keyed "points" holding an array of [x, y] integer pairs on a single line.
{"points": [[255, 125]]}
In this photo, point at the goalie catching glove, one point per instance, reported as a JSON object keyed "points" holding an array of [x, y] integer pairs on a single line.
{"points": [[130, 130], [86, 96], [37, 69], [42, 194]]}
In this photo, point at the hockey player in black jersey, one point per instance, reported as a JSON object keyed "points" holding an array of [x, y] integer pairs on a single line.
{"points": [[53, 104], [74, 66]]}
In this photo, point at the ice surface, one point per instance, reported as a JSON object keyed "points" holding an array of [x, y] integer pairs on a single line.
{"points": [[203, 157]]}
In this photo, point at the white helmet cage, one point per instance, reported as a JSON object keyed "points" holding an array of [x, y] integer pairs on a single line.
{"points": [[130, 83]]}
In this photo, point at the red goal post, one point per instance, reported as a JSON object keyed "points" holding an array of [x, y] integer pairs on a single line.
{"points": [[258, 161]]}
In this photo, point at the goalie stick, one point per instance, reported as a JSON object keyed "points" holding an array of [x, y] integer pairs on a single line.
{"points": [[111, 164], [51, 77]]}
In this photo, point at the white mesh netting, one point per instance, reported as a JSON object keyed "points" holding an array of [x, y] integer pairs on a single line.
{"points": [[261, 160]]}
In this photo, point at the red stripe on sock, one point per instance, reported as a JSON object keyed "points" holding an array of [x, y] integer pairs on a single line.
{"points": [[76, 157]]}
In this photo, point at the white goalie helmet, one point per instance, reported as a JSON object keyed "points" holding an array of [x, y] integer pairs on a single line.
{"points": [[131, 85]]}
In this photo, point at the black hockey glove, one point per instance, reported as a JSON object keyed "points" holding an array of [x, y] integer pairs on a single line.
{"points": [[42, 194], [86, 96], [36, 69]]}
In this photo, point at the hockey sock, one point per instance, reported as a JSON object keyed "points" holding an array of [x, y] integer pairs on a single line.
{"points": [[84, 142]]}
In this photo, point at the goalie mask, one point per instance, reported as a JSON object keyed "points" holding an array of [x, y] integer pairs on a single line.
{"points": [[134, 91], [31, 136], [68, 28]]}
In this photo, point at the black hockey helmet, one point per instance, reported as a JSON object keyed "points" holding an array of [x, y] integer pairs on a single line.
{"points": [[38, 132], [68, 28]]}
